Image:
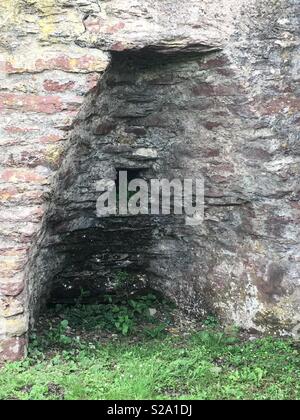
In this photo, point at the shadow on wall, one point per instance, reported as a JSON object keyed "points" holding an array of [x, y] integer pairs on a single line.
{"points": [[136, 121]]}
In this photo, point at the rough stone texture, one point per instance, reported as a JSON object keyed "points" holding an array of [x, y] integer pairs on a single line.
{"points": [[197, 87], [44, 77]]}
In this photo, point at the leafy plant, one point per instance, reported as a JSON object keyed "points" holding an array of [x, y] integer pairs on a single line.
{"points": [[122, 315], [211, 322], [124, 282], [211, 338], [156, 331], [124, 324]]}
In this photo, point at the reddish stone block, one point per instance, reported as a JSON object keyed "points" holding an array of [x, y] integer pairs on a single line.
{"points": [[104, 128], [92, 81], [11, 306], [66, 63], [16, 251], [258, 153], [214, 63], [206, 89], [115, 28], [19, 130], [210, 125], [74, 60], [227, 72], [74, 105], [138, 131], [118, 46], [14, 194], [7, 194], [13, 349], [210, 153], [52, 86], [10, 265], [31, 103], [22, 175], [280, 105], [51, 138], [12, 286], [93, 24]]}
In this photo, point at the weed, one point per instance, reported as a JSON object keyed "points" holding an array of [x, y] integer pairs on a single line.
{"points": [[121, 315], [202, 366], [67, 362], [155, 331], [211, 322]]}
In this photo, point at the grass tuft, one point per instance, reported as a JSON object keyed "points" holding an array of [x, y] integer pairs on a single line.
{"points": [[69, 361]]}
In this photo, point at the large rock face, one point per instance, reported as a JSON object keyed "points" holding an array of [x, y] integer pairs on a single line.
{"points": [[197, 88]]}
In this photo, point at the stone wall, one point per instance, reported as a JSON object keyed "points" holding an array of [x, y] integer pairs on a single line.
{"points": [[211, 88]]}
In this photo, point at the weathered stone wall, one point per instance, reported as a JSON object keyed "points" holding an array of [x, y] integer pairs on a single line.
{"points": [[44, 77], [224, 104]]}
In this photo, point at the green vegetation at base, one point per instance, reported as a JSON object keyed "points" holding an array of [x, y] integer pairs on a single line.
{"points": [[148, 360]]}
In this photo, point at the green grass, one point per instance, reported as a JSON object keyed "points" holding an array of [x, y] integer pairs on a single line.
{"points": [[130, 348], [206, 365]]}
